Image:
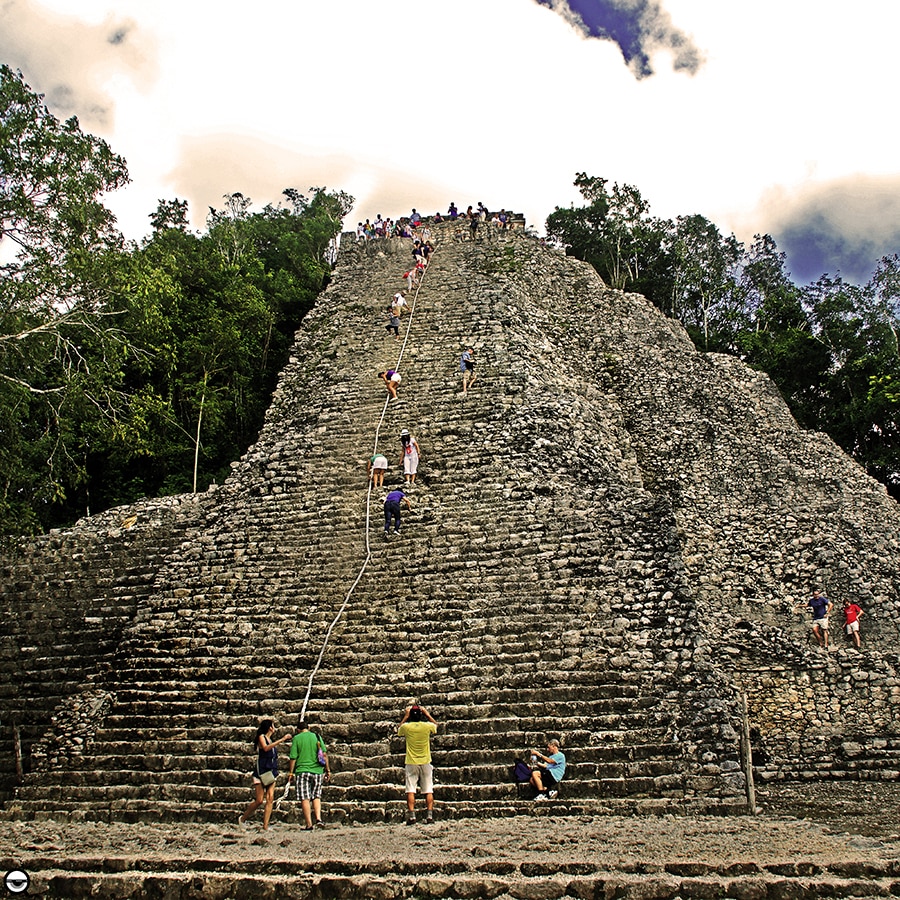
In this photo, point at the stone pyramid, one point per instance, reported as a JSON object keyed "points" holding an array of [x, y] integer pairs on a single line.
{"points": [[609, 534]]}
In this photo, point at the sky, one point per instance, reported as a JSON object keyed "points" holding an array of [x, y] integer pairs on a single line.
{"points": [[765, 116]]}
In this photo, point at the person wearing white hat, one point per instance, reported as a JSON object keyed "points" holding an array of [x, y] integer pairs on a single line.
{"points": [[410, 457]]}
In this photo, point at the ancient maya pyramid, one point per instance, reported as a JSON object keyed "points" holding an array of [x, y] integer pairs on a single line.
{"points": [[608, 535]]}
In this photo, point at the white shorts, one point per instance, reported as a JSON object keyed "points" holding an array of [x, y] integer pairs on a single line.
{"points": [[380, 462], [820, 623], [852, 626], [420, 777]]}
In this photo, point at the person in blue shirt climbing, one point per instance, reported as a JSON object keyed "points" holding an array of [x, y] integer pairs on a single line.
{"points": [[467, 366]]}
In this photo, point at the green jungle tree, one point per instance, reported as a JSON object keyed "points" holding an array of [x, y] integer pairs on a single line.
{"points": [[57, 340]]}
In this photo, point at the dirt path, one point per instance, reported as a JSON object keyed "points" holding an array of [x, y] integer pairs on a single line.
{"points": [[849, 824]]}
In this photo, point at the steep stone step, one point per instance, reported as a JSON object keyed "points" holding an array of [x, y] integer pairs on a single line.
{"points": [[653, 759], [484, 713], [542, 880], [369, 811], [608, 686], [473, 783]]}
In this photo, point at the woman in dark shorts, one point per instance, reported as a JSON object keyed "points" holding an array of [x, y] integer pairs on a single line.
{"points": [[265, 770]]}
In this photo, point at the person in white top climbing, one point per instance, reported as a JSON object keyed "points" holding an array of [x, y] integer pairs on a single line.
{"points": [[410, 457], [398, 304], [377, 467]]}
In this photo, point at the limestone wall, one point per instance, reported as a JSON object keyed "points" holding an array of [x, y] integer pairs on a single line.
{"points": [[65, 599], [765, 512], [837, 716]]}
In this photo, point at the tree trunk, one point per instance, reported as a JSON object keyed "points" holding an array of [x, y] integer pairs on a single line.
{"points": [[199, 421]]}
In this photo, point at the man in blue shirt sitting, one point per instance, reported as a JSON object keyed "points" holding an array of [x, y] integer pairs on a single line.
{"points": [[548, 773]]}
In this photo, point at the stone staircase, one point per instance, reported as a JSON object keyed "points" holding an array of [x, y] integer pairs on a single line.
{"points": [[66, 599], [198, 879], [537, 588]]}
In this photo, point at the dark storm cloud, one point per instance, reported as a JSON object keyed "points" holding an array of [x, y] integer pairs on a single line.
{"points": [[639, 27], [118, 36], [842, 227], [68, 60]]}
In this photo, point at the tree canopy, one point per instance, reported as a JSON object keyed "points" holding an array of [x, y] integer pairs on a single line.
{"points": [[133, 369]]}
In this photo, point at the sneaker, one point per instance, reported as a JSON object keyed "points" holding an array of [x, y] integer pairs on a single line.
{"points": [[540, 797], [410, 820], [396, 531], [429, 819], [552, 794], [241, 822], [320, 823]]}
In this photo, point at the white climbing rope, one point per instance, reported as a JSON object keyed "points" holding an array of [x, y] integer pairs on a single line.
{"points": [[340, 612]]}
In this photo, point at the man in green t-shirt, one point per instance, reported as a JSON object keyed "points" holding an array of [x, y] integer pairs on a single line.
{"points": [[416, 727], [311, 773]]}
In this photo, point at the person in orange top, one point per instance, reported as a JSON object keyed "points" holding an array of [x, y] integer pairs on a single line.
{"points": [[851, 619]]}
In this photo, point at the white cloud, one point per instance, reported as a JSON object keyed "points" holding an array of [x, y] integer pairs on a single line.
{"points": [[72, 61], [501, 101]]}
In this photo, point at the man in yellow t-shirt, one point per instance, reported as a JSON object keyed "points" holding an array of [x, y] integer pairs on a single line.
{"points": [[416, 727]]}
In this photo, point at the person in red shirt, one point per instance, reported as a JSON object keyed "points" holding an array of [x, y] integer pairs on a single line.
{"points": [[851, 619]]}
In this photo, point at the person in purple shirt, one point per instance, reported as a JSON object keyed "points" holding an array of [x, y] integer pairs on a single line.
{"points": [[392, 505], [391, 379], [819, 605]]}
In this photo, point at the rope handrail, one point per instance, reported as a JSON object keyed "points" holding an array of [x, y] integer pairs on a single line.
{"points": [[368, 556]]}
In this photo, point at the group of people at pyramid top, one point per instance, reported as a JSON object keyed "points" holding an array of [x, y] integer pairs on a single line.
{"points": [[480, 212], [382, 228], [409, 226]]}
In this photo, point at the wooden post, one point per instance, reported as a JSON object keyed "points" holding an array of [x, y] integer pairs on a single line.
{"points": [[747, 756], [17, 744]]}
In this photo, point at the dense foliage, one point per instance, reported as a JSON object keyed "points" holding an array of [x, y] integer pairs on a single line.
{"points": [[133, 370], [831, 347]]}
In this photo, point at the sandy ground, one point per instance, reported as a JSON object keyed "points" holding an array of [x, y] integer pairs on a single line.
{"points": [[849, 824]]}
